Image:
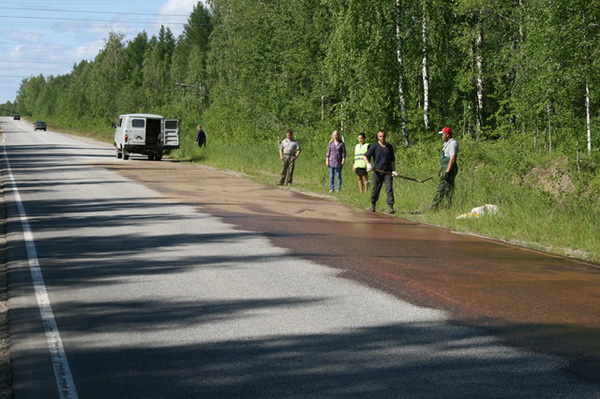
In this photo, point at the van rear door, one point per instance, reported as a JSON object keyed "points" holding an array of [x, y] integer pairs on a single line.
{"points": [[170, 138], [137, 131]]}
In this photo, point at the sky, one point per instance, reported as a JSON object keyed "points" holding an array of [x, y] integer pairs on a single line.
{"points": [[48, 37]]}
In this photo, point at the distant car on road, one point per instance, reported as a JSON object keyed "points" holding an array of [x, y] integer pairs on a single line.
{"points": [[17, 117], [39, 125]]}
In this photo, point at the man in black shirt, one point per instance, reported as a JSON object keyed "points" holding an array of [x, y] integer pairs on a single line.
{"points": [[384, 160]]}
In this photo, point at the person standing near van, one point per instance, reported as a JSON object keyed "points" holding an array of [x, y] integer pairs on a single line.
{"points": [[200, 137], [335, 157], [289, 150], [360, 166]]}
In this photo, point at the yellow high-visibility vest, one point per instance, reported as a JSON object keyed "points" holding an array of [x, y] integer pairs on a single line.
{"points": [[359, 151]]}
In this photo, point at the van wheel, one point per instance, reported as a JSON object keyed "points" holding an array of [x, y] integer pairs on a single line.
{"points": [[158, 157], [150, 157], [119, 154], [125, 155]]}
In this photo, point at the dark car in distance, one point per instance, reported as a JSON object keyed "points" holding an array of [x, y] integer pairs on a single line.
{"points": [[39, 125], [17, 118]]}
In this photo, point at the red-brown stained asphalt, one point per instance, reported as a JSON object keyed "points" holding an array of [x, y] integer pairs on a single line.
{"points": [[527, 298]]}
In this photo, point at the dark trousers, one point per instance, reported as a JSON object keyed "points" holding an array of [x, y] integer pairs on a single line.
{"points": [[445, 189], [379, 179], [287, 170]]}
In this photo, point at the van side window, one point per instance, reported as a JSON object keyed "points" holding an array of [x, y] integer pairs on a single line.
{"points": [[138, 122], [120, 122], [171, 124]]}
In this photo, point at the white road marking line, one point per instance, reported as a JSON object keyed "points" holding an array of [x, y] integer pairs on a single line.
{"points": [[62, 371]]}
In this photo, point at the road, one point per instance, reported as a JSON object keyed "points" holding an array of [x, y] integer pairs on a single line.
{"points": [[150, 279]]}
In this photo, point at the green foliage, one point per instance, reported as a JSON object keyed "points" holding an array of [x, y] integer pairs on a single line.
{"points": [[508, 174], [360, 56], [258, 68], [249, 70]]}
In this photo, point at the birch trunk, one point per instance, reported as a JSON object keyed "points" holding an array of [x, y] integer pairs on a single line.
{"points": [[425, 73], [549, 112], [479, 65], [400, 60], [588, 117], [588, 105], [521, 34]]}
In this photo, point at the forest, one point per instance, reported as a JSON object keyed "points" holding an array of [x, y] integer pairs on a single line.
{"points": [[518, 80], [489, 69]]}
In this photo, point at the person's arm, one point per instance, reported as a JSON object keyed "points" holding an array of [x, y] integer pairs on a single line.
{"points": [[394, 173], [369, 166], [297, 153], [451, 164], [343, 153]]}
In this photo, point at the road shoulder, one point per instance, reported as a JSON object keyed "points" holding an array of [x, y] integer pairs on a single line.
{"points": [[5, 369]]}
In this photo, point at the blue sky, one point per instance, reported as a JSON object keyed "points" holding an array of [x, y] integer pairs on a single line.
{"points": [[49, 37]]}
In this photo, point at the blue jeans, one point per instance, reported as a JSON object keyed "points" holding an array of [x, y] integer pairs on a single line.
{"points": [[333, 171]]}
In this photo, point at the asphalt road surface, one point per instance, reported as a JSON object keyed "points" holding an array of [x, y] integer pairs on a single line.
{"points": [[145, 279]]}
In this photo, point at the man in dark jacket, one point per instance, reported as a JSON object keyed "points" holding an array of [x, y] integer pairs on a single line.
{"points": [[384, 161]]}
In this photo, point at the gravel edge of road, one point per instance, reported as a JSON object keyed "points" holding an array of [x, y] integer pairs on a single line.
{"points": [[5, 367]]}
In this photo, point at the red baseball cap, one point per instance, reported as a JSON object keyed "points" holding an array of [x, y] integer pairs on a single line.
{"points": [[446, 129]]}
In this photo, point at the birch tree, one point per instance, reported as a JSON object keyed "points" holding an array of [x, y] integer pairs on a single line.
{"points": [[479, 76], [425, 67], [400, 60], [361, 54], [108, 73]]}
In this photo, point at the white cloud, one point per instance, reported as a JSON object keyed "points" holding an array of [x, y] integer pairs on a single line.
{"points": [[20, 36], [87, 51], [177, 7], [52, 42]]}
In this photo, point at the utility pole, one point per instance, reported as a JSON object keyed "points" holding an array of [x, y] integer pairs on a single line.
{"points": [[185, 88]]}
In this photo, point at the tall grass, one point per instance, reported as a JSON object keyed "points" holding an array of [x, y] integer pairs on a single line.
{"points": [[499, 173], [490, 173]]}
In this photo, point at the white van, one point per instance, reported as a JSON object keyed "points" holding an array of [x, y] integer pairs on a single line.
{"points": [[145, 134]]}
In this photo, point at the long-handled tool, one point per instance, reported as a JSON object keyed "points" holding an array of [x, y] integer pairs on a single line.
{"points": [[403, 177]]}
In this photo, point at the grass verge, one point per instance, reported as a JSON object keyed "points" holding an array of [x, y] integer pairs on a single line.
{"points": [[537, 208]]}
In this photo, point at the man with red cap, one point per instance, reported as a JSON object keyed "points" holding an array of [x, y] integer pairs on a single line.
{"points": [[448, 170]]}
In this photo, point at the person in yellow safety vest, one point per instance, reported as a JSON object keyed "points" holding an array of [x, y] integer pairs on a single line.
{"points": [[360, 166]]}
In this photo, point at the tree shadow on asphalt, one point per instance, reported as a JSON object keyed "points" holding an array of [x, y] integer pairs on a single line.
{"points": [[412, 360]]}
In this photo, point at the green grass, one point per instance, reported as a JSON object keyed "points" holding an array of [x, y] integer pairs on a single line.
{"points": [[490, 173]]}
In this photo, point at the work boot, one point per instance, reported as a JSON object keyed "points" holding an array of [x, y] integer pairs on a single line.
{"points": [[391, 209], [371, 208]]}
